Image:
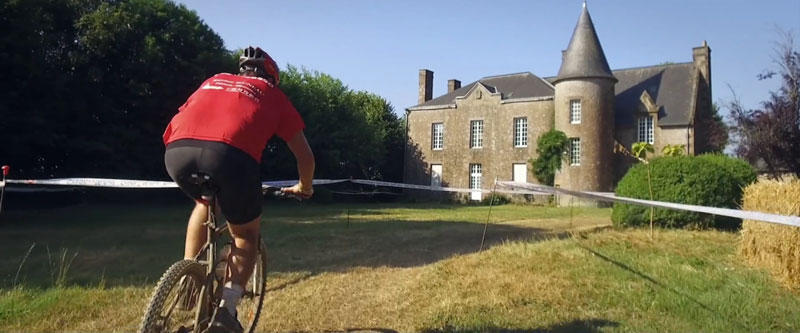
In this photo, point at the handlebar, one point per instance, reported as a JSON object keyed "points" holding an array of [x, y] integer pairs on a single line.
{"points": [[277, 193]]}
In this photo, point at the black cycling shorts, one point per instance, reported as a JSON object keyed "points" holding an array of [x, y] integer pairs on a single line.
{"points": [[234, 173]]}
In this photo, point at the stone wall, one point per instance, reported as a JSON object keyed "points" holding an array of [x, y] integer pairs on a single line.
{"points": [[498, 153]]}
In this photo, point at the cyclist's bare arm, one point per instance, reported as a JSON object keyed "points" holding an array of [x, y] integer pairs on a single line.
{"points": [[305, 166]]}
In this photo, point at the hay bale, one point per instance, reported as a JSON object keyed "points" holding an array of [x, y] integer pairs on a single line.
{"points": [[776, 247]]}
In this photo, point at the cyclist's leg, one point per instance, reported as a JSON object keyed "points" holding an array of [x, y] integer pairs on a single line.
{"points": [[196, 232], [237, 175], [242, 207], [240, 200], [244, 250]]}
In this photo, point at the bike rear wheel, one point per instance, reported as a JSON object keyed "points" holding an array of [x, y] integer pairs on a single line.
{"points": [[176, 300]]}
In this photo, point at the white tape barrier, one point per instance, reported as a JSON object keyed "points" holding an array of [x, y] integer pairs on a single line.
{"points": [[285, 183], [40, 190], [95, 182], [533, 189], [129, 183], [441, 189], [741, 214]]}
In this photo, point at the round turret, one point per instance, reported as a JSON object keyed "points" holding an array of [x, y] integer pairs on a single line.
{"points": [[584, 111]]}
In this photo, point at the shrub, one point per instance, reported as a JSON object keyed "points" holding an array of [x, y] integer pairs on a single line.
{"points": [[550, 148], [744, 173], [499, 199], [685, 179]]}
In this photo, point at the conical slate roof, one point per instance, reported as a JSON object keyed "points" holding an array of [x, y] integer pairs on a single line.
{"points": [[584, 57]]}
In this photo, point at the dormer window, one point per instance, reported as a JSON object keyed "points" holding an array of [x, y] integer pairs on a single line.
{"points": [[645, 130]]}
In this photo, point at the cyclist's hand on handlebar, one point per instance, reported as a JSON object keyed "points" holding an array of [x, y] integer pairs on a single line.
{"points": [[299, 190]]}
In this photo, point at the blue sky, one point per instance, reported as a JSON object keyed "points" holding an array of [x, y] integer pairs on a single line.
{"points": [[379, 46]]}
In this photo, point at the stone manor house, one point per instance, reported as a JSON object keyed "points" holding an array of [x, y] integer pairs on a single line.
{"points": [[488, 128]]}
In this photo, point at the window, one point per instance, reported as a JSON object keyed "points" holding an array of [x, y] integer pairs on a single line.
{"points": [[646, 130], [436, 175], [475, 181], [437, 136], [476, 134], [575, 111], [575, 151], [520, 132]]}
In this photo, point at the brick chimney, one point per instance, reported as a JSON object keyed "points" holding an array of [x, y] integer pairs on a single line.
{"points": [[702, 61], [701, 57], [453, 85], [425, 85]]}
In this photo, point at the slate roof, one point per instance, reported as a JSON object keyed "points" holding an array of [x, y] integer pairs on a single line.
{"points": [[584, 57], [672, 87], [510, 86]]}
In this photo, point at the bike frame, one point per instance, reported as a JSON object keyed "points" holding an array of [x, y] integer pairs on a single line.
{"points": [[208, 256]]}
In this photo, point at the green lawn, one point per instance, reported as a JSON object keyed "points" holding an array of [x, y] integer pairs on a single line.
{"points": [[394, 267]]}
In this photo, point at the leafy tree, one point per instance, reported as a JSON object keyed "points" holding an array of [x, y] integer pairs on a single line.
{"points": [[550, 147], [38, 92], [771, 134], [640, 150], [142, 58], [353, 134], [91, 84], [716, 131], [673, 150]]}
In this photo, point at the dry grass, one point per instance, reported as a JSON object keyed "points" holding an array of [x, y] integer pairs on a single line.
{"points": [[607, 280], [600, 281], [403, 269], [776, 247]]}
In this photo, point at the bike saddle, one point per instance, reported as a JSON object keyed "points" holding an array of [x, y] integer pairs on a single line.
{"points": [[207, 187]]}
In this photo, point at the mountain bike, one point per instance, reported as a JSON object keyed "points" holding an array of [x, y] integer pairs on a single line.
{"points": [[186, 296]]}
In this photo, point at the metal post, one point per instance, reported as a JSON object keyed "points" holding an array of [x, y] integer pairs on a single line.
{"points": [[3, 186], [486, 226]]}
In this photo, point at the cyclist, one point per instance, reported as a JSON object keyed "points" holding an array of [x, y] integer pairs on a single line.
{"points": [[221, 131]]}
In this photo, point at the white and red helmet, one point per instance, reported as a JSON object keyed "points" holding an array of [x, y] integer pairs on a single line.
{"points": [[258, 61]]}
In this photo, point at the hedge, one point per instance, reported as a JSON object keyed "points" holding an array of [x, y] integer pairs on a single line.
{"points": [[708, 180]]}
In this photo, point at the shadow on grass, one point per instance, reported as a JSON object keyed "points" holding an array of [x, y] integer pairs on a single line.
{"points": [[658, 283], [289, 283], [130, 245], [579, 325]]}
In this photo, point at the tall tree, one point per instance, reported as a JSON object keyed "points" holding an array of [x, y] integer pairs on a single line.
{"points": [[717, 131], [38, 89], [353, 133], [91, 84], [771, 134], [142, 58]]}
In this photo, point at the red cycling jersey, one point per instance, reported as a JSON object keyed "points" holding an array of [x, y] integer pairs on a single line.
{"points": [[242, 111]]}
